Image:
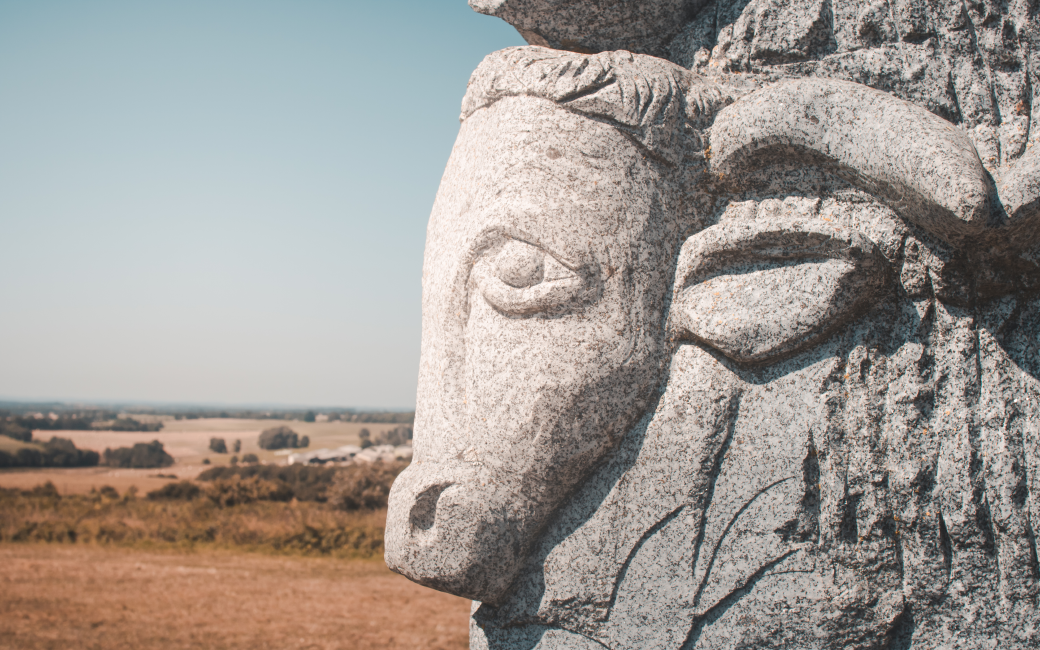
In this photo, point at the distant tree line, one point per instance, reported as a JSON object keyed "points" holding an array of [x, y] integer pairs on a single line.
{"points": [[63, 422], [396, 436], [310, 415], [67, 415], [20, 427], [387, 417], [141, 455], [57, 452], [127, 424], [61, 452]]}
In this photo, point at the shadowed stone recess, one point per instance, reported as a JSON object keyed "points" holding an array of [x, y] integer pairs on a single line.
{"points": [[732, 340]]}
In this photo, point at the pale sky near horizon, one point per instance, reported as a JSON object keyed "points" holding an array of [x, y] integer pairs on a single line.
{"points": [[223, 201]]}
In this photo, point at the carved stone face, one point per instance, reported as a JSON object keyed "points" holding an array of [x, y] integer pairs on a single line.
{"points": [[548, 264]]}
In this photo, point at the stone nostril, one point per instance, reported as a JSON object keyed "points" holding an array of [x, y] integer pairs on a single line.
{"points": [[424, 510]]}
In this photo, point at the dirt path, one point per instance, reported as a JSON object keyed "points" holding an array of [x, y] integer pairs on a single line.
{"points": [[90, 597]]}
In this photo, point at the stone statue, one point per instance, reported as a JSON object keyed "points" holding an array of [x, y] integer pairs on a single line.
{"points": [[732, 339]]}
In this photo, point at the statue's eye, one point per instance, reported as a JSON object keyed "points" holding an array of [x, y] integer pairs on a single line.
{"points": [[762, 290], [520, 265], [519, 279]]}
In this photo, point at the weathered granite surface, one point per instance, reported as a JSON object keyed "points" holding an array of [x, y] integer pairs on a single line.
{"points": [[741, 349]]}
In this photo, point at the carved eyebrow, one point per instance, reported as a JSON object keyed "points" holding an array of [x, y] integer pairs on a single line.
{"points": [[491, 236]]}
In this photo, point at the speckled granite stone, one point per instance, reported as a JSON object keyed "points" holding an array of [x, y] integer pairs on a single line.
{"points": [[733, 351]]}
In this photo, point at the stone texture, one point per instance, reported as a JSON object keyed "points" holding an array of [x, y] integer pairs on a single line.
{"points": [[592, 25], [975, 64], [735, 351]]}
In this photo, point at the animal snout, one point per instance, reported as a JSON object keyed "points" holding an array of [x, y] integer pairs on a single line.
{"points": [[451, 527]]}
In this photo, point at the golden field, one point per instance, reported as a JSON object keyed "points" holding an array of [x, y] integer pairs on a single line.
{"points": [[87, 596], [186, 440], [109, 570]]}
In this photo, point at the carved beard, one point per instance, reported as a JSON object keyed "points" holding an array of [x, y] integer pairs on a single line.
{"points": [[821, 501]]}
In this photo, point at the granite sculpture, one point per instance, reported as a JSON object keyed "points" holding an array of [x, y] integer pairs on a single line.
{"points": [[724, 347]]}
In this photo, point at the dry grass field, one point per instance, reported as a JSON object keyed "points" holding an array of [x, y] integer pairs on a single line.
{"points": [[188, 440], [81, 480], [86, 596], [133, 572]]}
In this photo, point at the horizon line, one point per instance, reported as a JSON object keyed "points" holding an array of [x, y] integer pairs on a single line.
{"points": [[187, 405]]}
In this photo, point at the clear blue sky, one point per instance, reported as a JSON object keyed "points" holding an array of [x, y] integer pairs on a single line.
{"points": [[223, 201]]}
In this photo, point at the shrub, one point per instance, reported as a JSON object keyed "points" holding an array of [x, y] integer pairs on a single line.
{"points": [[106, 492], [237, 446], [307, 482], [235, 490], [205, 461], [40, 515], [218, 446], [279, 438], [250, 459], [144, 455], [45, 490], [181, 491], [364, 485], [305, 441]]}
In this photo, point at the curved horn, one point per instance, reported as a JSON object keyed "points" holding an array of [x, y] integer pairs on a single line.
{"points": [[922, 165]]}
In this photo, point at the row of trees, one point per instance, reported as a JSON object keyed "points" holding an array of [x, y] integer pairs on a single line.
{"points": [[142, 455], [61, 452], [344, 415], [127, 424], [57, 452], [21, 427], [376, 417], [396, 436]]}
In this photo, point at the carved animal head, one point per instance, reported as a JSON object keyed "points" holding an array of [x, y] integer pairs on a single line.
{"points": [[557, 285]]}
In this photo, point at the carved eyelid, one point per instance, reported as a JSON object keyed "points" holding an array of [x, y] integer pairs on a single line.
{"points": [[759, 291], [519, 278]]}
